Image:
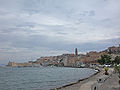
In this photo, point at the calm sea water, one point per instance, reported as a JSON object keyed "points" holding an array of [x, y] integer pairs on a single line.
{"points": [[40, 78]]}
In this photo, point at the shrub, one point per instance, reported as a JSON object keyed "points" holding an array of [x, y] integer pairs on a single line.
{"points": [[106, 71], [117, 69]]}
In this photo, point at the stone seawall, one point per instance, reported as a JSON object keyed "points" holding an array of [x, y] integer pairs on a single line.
{"points": [[13, 64]]}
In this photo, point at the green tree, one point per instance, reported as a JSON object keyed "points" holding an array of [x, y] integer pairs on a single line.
{"points": [[100, 61], [117, 69], [117, 60], [105, 59]]}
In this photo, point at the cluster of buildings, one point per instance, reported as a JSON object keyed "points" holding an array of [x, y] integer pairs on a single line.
{"points": [[114, 50], [72, 60]]}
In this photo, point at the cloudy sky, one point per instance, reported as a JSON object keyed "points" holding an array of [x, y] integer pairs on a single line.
{"points": [[30, 29]]}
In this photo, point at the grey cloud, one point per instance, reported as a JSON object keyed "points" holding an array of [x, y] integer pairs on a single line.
{"points": [[92, 13], [23, 34]]}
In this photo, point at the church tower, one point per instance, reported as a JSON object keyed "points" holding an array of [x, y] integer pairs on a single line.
{"points": [[76, 52]]}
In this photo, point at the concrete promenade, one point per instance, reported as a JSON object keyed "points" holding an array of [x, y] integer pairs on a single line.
{"points": [[110, 82], [82, 84]]}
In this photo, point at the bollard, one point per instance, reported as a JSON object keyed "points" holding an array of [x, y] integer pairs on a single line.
{"points": [[102, 79], [94, 86]]}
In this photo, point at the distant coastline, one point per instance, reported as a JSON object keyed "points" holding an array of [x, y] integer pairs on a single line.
{"points": [[70, 60]]}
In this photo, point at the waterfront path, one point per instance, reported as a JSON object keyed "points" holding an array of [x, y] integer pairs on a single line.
{"points": [[110, 83], [82, 84]]}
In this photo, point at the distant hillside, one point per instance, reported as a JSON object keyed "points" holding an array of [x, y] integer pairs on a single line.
{"points": [[71, 59]]}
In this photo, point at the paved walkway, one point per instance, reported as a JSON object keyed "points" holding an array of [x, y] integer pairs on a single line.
{"points": [[111, 83], [87, 86], [83, 83]]}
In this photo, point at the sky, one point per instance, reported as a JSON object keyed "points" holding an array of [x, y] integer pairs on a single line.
{"points": [[30, 29]]}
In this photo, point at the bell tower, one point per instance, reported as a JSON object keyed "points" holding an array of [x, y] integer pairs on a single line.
{"points": [[76, 52]]}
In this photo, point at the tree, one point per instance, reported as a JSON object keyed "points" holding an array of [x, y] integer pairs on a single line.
{"points": [[117, 60], [117, 69], [100, 61], [105, 59]]}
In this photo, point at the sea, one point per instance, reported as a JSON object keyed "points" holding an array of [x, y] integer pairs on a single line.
{"points": [[40, 78]]}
